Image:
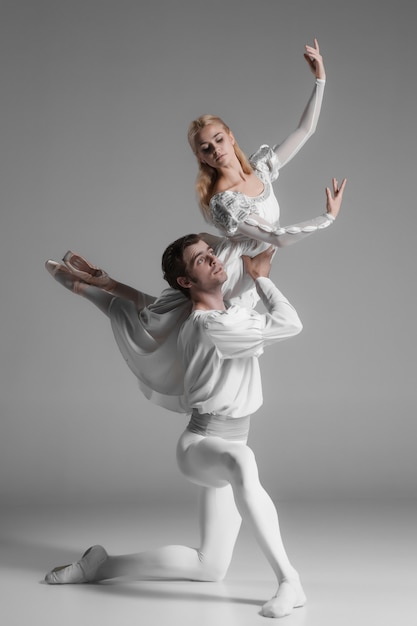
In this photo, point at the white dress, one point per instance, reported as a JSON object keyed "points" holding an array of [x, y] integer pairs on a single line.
{"points": [[147, 338]]}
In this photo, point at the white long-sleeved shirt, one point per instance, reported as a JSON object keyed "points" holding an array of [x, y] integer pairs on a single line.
{"points": [[220, 351]]}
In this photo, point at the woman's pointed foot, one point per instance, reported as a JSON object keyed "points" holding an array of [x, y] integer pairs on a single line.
{"points": [[87, 272], [64, 276], [83, 571]]}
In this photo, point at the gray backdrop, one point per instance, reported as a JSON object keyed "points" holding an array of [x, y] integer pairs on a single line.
{"points": [[96, 97]]}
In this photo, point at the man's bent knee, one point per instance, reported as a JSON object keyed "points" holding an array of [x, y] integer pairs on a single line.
{"points": [[241, 464], [212, 570]]}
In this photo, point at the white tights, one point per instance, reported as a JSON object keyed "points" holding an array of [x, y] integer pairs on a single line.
{"points": [[231, 490], [219, 525]]}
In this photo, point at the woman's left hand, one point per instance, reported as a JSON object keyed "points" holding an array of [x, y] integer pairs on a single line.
{"points": [[334, 200], [315, 60]]}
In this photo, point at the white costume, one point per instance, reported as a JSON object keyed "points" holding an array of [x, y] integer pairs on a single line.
{"points": [[220, 351], [148, 338]]}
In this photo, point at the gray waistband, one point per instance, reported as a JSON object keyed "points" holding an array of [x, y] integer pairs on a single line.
{"points": [[230, 428]]}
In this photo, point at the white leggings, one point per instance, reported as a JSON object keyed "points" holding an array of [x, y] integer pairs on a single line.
{"points": [[228, 475]]}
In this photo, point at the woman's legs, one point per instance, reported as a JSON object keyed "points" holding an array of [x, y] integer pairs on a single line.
{"points": [[98, 295], [212, 460]]}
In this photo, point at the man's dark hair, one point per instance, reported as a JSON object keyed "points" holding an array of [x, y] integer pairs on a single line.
{"points": [[173, 265]]}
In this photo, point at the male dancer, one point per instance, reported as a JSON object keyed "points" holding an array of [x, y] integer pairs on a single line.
{"points": [[220, 348]]}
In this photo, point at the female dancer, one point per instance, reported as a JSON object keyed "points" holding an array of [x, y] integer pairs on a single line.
{"points": [[236, 196], [235, 193]]}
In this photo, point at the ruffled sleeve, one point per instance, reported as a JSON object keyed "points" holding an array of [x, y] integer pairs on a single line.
{"points": [[266, 161], [228, 210]]}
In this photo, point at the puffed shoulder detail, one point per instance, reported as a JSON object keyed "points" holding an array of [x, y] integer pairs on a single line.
{"points": [[229, 209], [266, 161]]}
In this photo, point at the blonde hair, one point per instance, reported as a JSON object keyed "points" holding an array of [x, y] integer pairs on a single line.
{"points": [[207, 176]]}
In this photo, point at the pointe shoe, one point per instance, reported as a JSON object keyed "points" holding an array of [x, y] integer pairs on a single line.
{"points": [[83, 571], [64, 276], [87, 272]]}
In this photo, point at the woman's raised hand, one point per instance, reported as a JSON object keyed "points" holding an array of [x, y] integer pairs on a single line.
{"points": [[315, 60], [334, 201]]}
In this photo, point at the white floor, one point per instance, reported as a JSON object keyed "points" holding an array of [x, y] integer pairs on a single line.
{"points": [[357, 562]]}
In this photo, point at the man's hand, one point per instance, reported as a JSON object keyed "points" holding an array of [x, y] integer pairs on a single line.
{"points": [[260, 265]]}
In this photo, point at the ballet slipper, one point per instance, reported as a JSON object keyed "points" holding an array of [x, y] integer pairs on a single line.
{"points": [[83, 571], [87, 272], [290, 595], [64, 276]]}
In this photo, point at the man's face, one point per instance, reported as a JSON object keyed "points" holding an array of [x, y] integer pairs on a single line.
{"points": [[204, 269]]}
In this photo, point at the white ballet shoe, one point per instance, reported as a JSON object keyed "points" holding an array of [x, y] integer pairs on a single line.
{"points": [[83, 571], [290, 596]]}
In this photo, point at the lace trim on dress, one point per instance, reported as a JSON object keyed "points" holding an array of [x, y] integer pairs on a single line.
{"points": [[230, 208]]}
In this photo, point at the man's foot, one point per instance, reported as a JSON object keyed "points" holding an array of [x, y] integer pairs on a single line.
{"points": [[290, 595], [83, 571]]}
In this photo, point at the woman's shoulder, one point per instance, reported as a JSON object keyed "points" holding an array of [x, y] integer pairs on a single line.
{"points": [[224, 197], [227, 209], [265, 161]]}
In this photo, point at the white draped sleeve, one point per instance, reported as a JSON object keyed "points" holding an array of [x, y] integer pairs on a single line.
{"points": [[286, 150], [254, 227], [244, 333]]}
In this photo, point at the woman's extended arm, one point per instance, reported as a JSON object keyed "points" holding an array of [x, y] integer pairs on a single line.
{"points": [[255, 227], [286, 150]]}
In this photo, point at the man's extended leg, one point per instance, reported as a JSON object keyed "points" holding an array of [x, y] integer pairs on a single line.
{"points": [[220, 523]]}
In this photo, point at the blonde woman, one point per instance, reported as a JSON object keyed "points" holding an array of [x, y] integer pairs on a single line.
{"points": [[235, 193], [236, 196]]}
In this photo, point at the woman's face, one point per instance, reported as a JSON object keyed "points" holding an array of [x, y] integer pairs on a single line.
{"points": [[215, 146]]}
